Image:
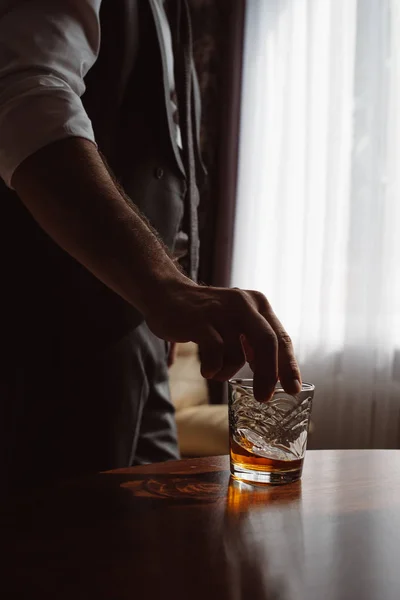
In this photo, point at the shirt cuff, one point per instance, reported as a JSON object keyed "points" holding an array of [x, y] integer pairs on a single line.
{"points": [[44, 111]]}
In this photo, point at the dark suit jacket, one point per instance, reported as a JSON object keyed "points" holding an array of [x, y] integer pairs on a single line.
{"points": [[51, 304]]}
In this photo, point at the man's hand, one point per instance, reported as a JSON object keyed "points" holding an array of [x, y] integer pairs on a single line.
{"points": [[229, 325]]}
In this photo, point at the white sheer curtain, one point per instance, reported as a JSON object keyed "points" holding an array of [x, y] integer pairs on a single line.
{"points": [[318, 216]]}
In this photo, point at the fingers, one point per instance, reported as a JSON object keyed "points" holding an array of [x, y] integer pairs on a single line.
{"points": [[248, 351], [247, 327], [233, 357], [264, 347], [289, 372], [221, 356], [211, 351], [288, 369]]}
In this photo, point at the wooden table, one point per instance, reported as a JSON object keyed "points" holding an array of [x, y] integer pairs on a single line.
{"points": [[184, 530]]}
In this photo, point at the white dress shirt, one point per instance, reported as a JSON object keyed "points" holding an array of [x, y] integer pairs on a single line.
{"points": [[46, 49]]}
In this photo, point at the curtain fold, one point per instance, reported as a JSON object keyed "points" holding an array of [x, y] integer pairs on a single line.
{"points": [[317, 224]]}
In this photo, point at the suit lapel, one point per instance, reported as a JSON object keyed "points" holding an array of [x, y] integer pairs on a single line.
{"points": [[171, 125]]}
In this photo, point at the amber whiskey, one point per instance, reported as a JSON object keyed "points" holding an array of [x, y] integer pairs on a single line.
{"points": [[249, 460]]}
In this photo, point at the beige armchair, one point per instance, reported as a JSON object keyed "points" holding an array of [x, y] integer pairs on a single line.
{"points": [[202, 427]]}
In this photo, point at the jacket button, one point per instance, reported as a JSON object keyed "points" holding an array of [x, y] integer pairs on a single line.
{"points": [[159, 173]]}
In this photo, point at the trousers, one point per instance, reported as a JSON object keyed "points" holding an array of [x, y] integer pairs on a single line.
{"points": [[61, 419]]}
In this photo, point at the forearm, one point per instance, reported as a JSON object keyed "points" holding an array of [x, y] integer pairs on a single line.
{"points": [[68, 190]]}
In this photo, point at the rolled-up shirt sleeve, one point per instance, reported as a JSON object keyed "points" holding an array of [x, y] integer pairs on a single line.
{"points": [[46, 49]]}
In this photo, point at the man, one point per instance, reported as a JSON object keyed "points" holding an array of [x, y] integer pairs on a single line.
{"points": [[89, 287]]}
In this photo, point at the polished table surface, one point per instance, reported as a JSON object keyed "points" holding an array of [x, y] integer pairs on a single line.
{"points": [[185, 530]]}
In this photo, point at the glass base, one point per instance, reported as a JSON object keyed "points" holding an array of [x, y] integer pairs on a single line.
{"points": [[271, 477]]}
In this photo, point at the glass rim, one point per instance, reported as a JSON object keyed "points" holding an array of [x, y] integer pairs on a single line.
{"points": [[248, 383]]}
